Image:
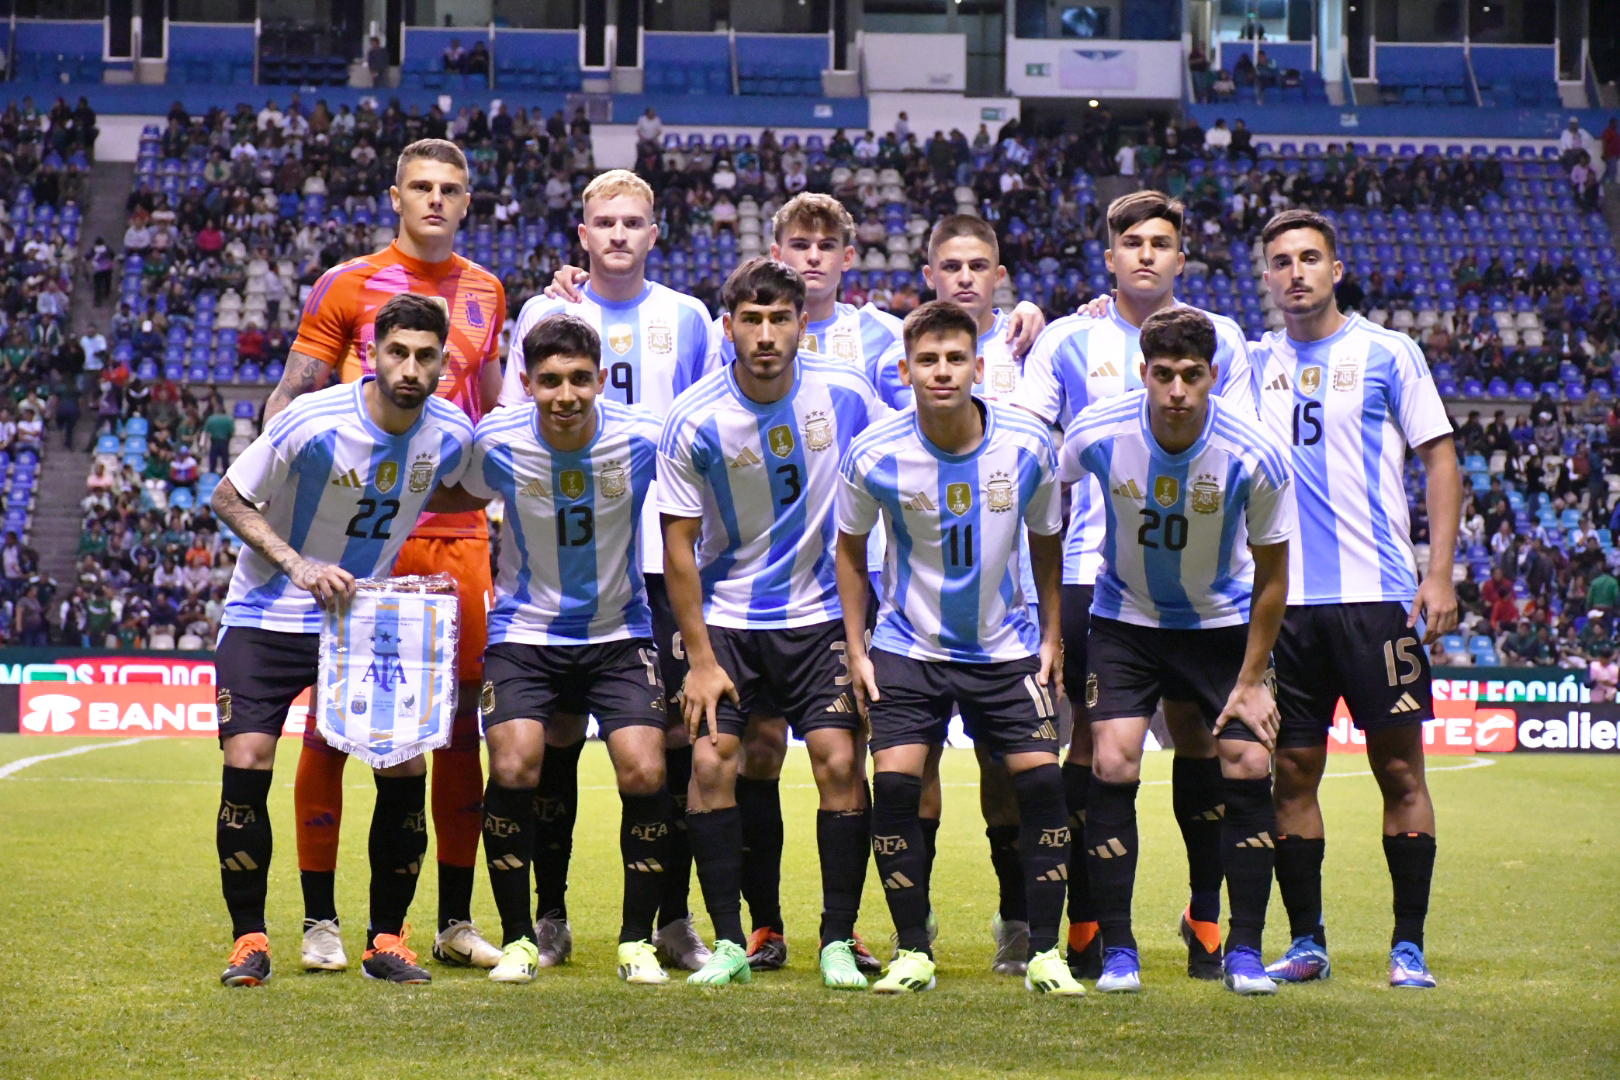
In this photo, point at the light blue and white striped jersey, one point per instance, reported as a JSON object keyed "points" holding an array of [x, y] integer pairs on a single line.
{"points": [[1346, 408], [338, 489], [951, 587], [764, 479], [653, 348], [570, 561], [1079, 361], [855, 335], [1175, 545]]}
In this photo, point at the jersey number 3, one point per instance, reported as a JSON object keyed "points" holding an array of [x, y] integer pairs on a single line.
{"points": [[379, 527]]}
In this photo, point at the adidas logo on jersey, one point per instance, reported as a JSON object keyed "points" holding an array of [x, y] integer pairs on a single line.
{"points": [[1104, 371], [534, 489], [921, 503], [1129, 489], [1279, 383], [349, 479], [745, 459], [1407, 703]]}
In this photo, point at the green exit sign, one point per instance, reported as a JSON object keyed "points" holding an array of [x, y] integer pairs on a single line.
{"points": [[1038, 71]]}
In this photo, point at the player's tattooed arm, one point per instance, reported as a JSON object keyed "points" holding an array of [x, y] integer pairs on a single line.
{"points": [[1436, 599], [302, 375], [706, 681], [1251, 702], [853, 584], [332, 586]]}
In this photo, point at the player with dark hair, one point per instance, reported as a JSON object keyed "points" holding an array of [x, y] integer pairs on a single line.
{"points": [[321, 498], [1079, 361], [1348, 399], [571, 631], [748, 468], [1187, 604], [955, 480]]}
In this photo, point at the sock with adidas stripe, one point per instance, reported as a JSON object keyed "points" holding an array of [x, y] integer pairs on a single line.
{"points": [[397, 843], [508, 851], [1111, 852], [1043, 845], [842, 839], [902, 859], [242, 837], [644, 841], [1248, 844]]}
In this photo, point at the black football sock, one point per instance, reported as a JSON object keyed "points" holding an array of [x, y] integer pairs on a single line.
{"points": [[644, 847], [1299, 880], [930, 828], [242, 837], [1195, 793], [675, 902], [508, 851], [319, 888], [842, 839], [902, 861], [760, 803], [1411, 869], [717, 855], [1009, 870], [556, 805], [455, 891], [1043, 842], [1076, 786], [1247, 833], [398, 841], [1111, 851]]}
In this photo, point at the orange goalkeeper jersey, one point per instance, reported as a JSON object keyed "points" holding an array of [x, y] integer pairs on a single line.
{"points": [[336, 328]]}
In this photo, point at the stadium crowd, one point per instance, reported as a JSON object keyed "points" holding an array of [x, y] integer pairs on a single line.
{"points": [[248, 208]]}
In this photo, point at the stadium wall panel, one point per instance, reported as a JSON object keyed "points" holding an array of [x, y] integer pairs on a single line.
{"points": [[1405, 121]]}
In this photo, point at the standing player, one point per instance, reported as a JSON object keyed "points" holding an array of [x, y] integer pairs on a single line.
{"points": [[964, 267], [654, 343], [1348, 399], [571, 631], [431, 196], [956, 479], [1078, 361], [315, 499], [748, 466], [1187, 604]]}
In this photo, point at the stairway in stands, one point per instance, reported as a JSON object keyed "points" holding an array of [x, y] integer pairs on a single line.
{"points": [[57, 517]]}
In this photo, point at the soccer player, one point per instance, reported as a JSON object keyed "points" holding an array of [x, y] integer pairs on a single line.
{"points": [[1192, 588], [431, 197], [748, 465], [654, 344], [964, 267], [321, 498], [1078, 361], [814, 235], [571, 631], [956, 479], [1348, 398]]}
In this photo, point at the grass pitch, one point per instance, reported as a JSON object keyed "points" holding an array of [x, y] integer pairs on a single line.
{"points": [[114, 934]]}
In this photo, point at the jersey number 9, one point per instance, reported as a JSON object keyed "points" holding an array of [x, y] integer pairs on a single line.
{"points": [[622, 377]]}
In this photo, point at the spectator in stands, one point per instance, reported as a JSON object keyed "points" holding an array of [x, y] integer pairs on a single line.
{"points": [[1219, 138], [649, 129], [377, 63], [30, 429], [1223, 87], [1573, 141], [29, 619], [1603, 672], [184, 470], [477, 60], [454, 56], [1243, 70], [1265, 71]]}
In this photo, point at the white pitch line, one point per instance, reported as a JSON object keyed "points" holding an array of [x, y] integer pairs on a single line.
{"points": [[22, 763]]}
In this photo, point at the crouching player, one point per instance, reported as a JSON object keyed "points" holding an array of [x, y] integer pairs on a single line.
{"points": [[956, 479], [1187, 606], [571, 631], [318, 499]]}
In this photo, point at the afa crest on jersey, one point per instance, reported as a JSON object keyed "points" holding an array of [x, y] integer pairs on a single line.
{"points": [[571, 482], [841, 346], [1345, 376], [1003, 378], [421, 477], [1310, 380], [1205, 496], [999, 493], [613, 481], [958, 498], [660, 338], [818, 432], [387, 476], [620, 337], [1166, 489], [780, 439]]}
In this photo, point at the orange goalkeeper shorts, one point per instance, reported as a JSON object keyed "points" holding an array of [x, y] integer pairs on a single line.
{"points": [[467, 560]]}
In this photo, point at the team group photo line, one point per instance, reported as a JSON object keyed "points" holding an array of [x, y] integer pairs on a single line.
{"points": [[814, 520]]}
